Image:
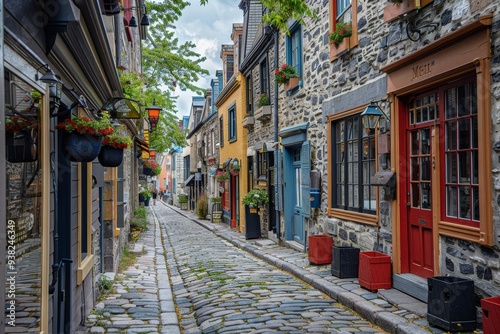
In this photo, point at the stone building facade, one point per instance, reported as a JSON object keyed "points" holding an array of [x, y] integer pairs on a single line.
{"points": [[440, 215]]}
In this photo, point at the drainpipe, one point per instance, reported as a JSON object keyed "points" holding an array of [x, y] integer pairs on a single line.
{"points": [[275, 119], [118, 44]]}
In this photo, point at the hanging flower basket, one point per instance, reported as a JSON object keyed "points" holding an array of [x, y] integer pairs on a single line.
{"points": [[110, 156], [81, 148], [82, 137], [222, 176]]}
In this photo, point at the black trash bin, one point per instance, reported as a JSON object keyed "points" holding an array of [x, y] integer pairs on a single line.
{"points": [[451, 303], [345, 261], [252, 222]]}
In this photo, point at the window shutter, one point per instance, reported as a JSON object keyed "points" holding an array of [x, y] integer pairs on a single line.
{"points": [[305, 167], [277, 180]]}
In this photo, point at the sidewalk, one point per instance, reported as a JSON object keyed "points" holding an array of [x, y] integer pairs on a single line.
{"points": [[391, 309]]}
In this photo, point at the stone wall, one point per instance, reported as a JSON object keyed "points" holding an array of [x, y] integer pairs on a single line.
{"points": [[326, 83]]}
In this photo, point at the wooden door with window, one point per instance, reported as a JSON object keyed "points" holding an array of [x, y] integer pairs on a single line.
{"points": [[417, 203]]}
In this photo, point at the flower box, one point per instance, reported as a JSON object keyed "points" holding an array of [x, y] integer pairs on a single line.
{"points": [[291, 84], [451, 303], [263, 113], [320, 249], [374, 270], [248, 121], [340, 48], [345, 261], [491, 315]]}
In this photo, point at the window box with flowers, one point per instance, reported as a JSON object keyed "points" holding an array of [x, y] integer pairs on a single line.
{"points": [[82, 137], [339, 38], [151, 168], [111, 154], [248, 121], [287, 75], [222, 176], [21, 139], [263, 112]]}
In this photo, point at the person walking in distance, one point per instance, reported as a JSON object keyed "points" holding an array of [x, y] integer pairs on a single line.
{"points": [[155, 194]]}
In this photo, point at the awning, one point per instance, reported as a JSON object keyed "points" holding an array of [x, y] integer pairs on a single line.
{"points": [[142, 144], [189, 181]]}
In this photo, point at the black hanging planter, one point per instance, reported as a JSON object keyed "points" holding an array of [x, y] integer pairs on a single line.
{"points": [[21, 146], [147, 171], [110, 156], [81, 148]]}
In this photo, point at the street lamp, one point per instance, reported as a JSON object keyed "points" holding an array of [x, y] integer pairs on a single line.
{"points": [[152, 153], [153, 114], [371, 115]]}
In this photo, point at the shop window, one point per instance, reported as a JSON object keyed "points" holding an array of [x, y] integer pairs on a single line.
{"points": [[460, 152], [354, 164], [343, 11], [85, 257]]}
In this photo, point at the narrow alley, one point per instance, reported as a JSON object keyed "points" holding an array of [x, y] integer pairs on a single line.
{"points": [[219, 288]]}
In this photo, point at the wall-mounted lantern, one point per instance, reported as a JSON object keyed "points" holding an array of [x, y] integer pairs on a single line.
{"points": [[153, 115], [371, 115]]}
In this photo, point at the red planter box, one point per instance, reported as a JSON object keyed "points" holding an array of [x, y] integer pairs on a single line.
{"points": [[491, 315], [320, 249], [374, 270]]}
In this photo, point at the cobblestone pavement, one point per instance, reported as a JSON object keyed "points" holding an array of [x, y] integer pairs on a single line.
{"points": [[223, 283], [220, 288], [141, 301]]}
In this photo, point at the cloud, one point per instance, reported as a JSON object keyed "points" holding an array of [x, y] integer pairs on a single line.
{"points": [[208, 27]]}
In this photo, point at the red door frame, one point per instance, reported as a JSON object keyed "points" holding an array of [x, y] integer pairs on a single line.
{"points": [[233, 204]]}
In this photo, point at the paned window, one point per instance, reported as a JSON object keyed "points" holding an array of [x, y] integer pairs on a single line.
{"points": [[264, 77], [262, 164], [294, 48], [342, 6], [460, 152], [249, 91], [232, 123], [344, 11], [221, 131], [354, 153]]}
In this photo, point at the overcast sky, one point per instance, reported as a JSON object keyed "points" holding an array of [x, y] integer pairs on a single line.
{"points": [[208, 27]]}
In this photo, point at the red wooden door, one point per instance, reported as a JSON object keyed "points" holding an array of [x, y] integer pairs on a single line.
{"points": [[419, 202]]}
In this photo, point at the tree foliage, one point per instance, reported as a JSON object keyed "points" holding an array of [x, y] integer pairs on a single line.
{"points": [[280, 11]]}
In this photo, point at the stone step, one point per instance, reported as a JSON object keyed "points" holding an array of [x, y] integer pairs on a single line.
{"points": [[412, 285]]}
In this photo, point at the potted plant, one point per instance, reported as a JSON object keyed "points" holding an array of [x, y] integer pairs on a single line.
{"points": [[183, 199], [82, 137], [222, 176], [343, 30], [264, 109], [111, 154], [288, 76], [256, 198], [145, 195], [21, 139]]}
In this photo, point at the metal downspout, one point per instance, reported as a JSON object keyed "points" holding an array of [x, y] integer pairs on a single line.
{"points": [[118, 45], [275, 119]]}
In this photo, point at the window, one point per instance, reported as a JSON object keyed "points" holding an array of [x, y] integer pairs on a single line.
{"points": [[229, 66], [264, 78], [342, 6], [461, 158], [294, 48], [250, 173], [221, 131], [249, 91], [85, 257], [354, 155], [232, 123], [343, 11], [262, 165]]}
